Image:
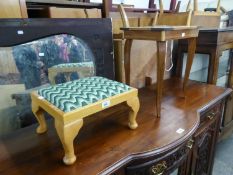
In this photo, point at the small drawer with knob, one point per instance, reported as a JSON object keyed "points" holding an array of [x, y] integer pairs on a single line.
{"points": [[210, 114], [163, 164]]}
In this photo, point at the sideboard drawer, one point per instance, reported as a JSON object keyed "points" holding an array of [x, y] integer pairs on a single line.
{"points": [[212, 113], [164, 164]]}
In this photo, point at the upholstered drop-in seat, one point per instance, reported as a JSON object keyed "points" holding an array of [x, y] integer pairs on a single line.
{"points": [[76, 94], [70, 102]]}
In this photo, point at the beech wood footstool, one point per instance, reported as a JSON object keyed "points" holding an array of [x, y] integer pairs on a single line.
{"points": [[70, 102]]}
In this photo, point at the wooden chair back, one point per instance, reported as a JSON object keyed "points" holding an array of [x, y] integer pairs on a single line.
{"points": [[161, 10], [175, 19], [124, 17], [143, 20], [204, 19]]}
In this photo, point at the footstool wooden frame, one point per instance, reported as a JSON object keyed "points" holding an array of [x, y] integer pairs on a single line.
{"points": [[68, 124]]}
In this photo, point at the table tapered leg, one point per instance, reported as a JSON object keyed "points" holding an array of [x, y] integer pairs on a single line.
{"points": [[179, 63], [67, 133], [128, 44], [161, 47], [190, 56], [214, 63]]}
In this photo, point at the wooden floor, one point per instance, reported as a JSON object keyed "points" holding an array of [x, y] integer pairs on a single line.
{"points": [[105, 142]]}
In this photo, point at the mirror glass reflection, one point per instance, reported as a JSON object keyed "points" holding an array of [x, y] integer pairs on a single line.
{"points": [[30, 66]]}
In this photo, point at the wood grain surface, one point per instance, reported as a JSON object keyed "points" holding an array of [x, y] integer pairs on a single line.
{"points": [[105, 143]]}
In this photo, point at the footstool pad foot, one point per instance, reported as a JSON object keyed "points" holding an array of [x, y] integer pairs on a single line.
{"points": [[69, 160], [133, 126], [41, 130]]}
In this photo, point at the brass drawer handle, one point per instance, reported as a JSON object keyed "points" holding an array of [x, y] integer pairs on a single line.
{"points": [[159, 168], [211, 116], [190, 144]]}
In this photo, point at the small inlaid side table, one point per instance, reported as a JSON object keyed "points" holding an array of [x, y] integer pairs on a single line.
{"points": [[161, 34]]}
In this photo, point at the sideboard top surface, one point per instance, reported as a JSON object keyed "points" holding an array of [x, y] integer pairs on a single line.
{"points": [[105, 143]]}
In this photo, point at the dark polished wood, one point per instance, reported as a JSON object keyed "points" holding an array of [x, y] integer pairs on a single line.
{"points": [[161, 34], [213, 41], [161, 54], [105, 145], [191, 53], [39, 8], [152, 4], [205, 141], [33, 3], [173, 5]]}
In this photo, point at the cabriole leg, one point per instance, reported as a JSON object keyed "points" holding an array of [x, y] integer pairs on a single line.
{"points": [[39, 114], [67, 133], [134, 104]]}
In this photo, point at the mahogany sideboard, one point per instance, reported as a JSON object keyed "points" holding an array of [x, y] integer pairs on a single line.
{"points": [[182, 140], [213, 41]]}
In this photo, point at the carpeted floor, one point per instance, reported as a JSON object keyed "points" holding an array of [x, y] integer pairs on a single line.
{"points": [[223, 163]]}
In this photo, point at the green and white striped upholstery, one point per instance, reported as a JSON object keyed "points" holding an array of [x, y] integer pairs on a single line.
{"points": [[75, 94]]}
